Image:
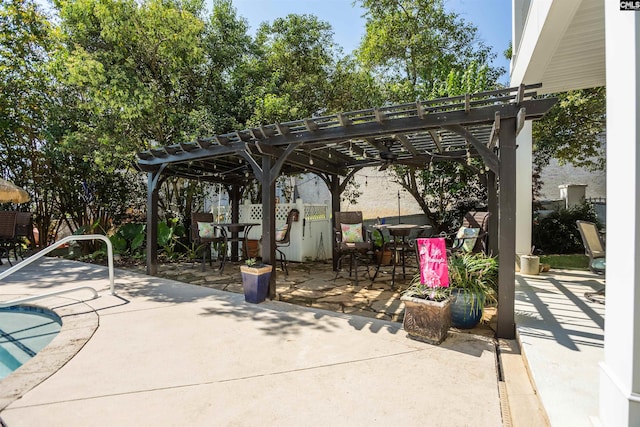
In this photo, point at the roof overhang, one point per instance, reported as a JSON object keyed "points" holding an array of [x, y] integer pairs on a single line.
{"points": [[559, 43]]}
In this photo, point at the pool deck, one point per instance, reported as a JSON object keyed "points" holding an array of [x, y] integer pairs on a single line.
{"points": [[171, 353]]}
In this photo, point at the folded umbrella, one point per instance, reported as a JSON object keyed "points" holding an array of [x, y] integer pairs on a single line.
{"points": [[9, 192]]}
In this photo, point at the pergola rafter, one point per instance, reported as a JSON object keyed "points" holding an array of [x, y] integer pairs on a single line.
{"points": [[334, 147]]}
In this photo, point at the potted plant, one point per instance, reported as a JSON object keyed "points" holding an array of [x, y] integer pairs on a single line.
{"points": [[427, 313], [474, 281], [383, 255], [255, 280]]}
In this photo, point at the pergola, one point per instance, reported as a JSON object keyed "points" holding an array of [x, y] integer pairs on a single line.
{"points": [[335, 147]]}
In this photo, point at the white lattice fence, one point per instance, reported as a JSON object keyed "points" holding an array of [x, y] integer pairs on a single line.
{"points": [[310, 235]]}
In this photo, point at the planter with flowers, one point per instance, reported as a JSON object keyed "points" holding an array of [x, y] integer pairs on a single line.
{"points": [[255, 280]]}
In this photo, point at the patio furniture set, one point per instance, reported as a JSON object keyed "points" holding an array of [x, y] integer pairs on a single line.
{"points": [[354, 244], [14, 228], [228, 238]]}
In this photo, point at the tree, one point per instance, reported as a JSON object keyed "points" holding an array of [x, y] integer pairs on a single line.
{"points": [[26, 100], [445, 188], [571, 132], [297, 56], [419, 51], [414, 44]]}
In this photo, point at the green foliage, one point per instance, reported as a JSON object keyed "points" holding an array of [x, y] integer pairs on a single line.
{"points": [[297, 56], [473, 79], [129, 239], [474, 273], [417, 289], [443, 190], [557, 232], [169, 234], [571, 132], [413, 44], [567, 261]]}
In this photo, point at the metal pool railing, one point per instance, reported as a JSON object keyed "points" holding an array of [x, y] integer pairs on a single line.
{"points": [[52, 247]]}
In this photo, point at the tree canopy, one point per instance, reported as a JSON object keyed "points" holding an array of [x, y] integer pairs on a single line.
{"points": [[571, 132], [85, 91]]}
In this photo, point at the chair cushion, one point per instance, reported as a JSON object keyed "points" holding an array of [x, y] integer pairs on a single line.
{"points": [[469, 235], [206, 230], [351, 233], [281, 232], [599, 264]]}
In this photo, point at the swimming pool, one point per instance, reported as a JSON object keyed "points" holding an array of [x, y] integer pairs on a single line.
{"points": [[24, 331]]}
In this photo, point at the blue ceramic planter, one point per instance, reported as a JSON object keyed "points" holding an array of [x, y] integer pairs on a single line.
{"points": [[465, 310], [255, 283]]}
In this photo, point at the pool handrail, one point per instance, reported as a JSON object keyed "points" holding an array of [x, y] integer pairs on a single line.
{"points": [[62, 241], [47, 295]]}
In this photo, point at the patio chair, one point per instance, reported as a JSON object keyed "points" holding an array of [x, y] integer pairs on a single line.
{"points": [[283, 238], [351, 240], [473, 235], [595, 249], [24, 230], [203, 233], [7, 234]]}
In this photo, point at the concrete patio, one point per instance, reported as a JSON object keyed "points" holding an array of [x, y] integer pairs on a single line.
{"points": [[176, 353]]}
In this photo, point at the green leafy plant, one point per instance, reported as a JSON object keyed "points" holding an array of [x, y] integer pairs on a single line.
{"points": [[557, 232], [475, 274], [417, 289], [251, 262], [129, 238], [169, 234]]}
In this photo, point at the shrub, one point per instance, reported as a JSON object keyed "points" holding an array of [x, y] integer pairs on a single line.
{"points": [[557, 232]]}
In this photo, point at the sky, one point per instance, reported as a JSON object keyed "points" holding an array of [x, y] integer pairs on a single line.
{"points": [[491, 17]]}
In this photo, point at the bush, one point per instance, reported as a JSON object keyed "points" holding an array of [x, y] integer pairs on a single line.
{"points": [[557, 232]]}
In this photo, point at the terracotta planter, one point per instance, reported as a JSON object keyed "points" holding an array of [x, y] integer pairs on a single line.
{"points": [[384, 258], [255, 282], [426, 320], [253, 248]]}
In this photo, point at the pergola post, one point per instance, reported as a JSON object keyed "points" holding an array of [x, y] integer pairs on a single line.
{"points": [[335, 207], [152, 222], [492, 201], [235, 216], [506, 327], [269, 220]]}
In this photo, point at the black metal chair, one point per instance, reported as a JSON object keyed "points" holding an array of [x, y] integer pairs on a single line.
{"points": [[283, 238], [351, 248], [204, 242]]}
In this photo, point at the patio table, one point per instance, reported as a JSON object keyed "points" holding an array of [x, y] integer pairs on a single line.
{"points": [[235, 232], [400, 243]]}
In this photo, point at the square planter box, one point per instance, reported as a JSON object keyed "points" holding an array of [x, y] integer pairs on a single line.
{"points": [[426, 320], [255, 282]]}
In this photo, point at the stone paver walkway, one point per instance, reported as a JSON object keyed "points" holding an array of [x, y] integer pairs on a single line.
{"points": [[314, 284]]}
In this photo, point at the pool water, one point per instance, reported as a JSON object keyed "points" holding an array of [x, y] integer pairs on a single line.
{"points": [[24, 331]]}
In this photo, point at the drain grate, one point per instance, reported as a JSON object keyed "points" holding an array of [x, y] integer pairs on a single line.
{"points": [[505, 409]]}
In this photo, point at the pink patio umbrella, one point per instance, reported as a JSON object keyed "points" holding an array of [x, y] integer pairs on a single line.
{"points": [[10, 192]]}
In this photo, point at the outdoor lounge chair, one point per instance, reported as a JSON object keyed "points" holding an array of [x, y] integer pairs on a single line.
{"points": [[351, 240], [595, 249]]}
